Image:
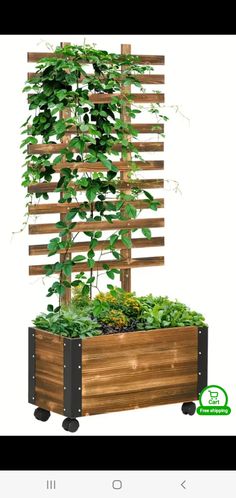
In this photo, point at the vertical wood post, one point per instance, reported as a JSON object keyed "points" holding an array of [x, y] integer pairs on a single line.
{"points": [[125, 275], [65, 299]]}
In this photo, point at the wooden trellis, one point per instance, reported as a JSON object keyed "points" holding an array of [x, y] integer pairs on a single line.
{"points": [[127, 263]]}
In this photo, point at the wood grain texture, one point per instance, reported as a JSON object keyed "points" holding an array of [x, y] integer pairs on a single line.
{"points": [[139, 98], [140, 127], [133, 263], [56, 148], [121, 165], [125, 275], [122, 185], [66, 297], [154, 60], [42, 228], [145, 79], [139, 369], [38, 250], [63, 208], [49, 371]]}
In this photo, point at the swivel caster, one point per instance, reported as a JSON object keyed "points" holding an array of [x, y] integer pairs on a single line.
{"points": [[188, 408], [41, 414], [70, 424]]}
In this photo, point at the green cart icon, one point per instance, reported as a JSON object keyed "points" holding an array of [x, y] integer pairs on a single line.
{"points": [[213, 398]]}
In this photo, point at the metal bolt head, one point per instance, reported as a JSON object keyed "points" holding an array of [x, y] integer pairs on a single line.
{"points": [[199, 373], [79, 366]]}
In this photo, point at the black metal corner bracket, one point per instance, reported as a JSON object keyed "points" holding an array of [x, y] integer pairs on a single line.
{"points": [[31, 366], [72, 377], [202, 358]]}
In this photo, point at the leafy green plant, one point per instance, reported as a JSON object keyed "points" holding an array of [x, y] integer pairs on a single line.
{"points": [[69, 322], [117, 299], [62, 83], [114, 320], [116, 311], [160, 312]]}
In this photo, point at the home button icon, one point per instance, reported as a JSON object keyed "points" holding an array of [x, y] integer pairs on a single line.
{"points": [[117, 484]]}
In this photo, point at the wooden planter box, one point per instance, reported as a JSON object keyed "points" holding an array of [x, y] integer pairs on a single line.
{"points": [[115, 372]]}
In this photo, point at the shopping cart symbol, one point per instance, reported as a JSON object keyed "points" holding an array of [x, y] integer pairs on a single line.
{"points": [[214, 395]]}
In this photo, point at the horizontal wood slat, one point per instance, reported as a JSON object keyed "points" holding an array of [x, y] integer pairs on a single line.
{"points": [[50, 187], [140, 127], [63, 208], [145, 79], [39, 250], [133, 263], [43, 228], [140, 98], [154, 60], [122, 165], [56, 148]]}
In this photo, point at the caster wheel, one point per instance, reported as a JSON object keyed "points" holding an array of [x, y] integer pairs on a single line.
{"points": [[70, 424], [188, 408], [41, 414]]}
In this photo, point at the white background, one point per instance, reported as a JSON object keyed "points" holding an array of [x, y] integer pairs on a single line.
{"points": [[200, 224]]}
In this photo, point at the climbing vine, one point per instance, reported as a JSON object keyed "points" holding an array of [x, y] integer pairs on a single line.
{"points": [[63, 83]]}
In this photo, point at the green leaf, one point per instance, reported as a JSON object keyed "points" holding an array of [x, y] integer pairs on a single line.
{"points": [[60, 126], [110, 274], [147, 233], [113, 239], [110, 287], [127, 241], [71, 214], [111, 175], [49, 269], [84, 182], [90, 280], [84, 127], [50, 307], [91, 262], [91, 193], [93, 243], [58, 159], [75, 283], [29, 140], [78, 258], [61, 224], [148, 195], [131, 211], [98, 234], [154, 205], [116, 254], [105, 266], [85, 290], [106, 162], [61, 94], [67, 268]]}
